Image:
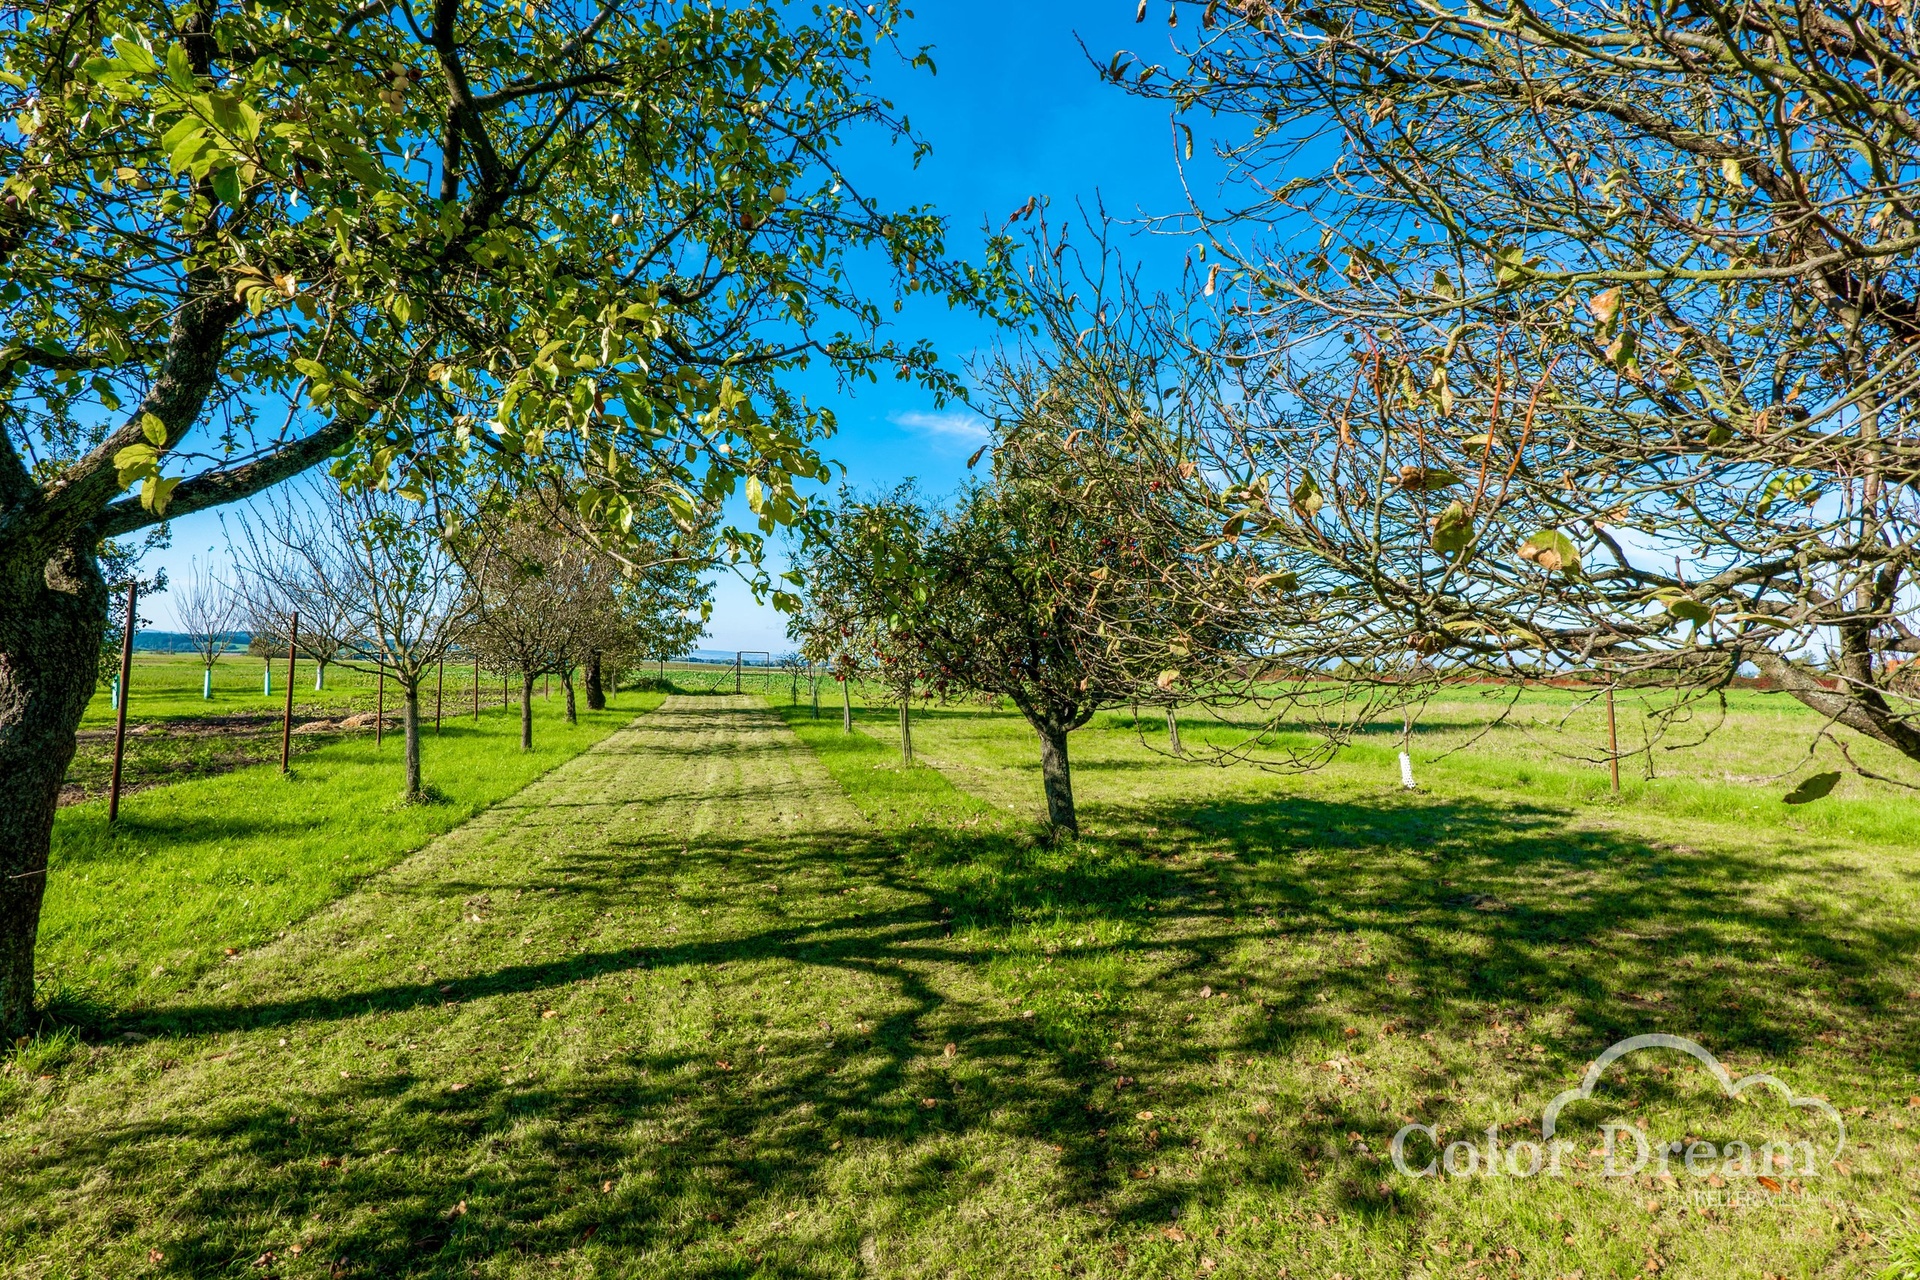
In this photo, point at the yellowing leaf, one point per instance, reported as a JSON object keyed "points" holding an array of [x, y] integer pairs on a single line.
{"points": [[1552, 551], [1605, 306], [1307, 500], [1426, 479], [1453, 531]]}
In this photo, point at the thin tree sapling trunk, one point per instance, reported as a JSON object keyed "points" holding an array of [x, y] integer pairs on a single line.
{"points": [[566, 683], [906, 732], [846, 707]]}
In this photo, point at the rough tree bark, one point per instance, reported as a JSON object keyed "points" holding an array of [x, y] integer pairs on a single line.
{"points": [[596, 692], [526, 711], [1057, 778], [412, 725], [52, 616], [566, 683]]}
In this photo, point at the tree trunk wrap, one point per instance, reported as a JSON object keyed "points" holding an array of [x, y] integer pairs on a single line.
{"points": [[412, 725], [596, 691], [52, 617], [526, 712], [1057, 778]]}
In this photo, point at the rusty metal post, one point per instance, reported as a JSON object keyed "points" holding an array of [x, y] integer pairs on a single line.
{"points": [[120, 717], [1613, 742], [286, 721]]}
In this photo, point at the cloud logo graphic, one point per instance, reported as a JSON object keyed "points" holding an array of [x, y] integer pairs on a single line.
{"points": [[1728, 1085]]}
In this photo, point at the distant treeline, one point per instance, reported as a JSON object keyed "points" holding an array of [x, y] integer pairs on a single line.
{"points": [[181, 642]]}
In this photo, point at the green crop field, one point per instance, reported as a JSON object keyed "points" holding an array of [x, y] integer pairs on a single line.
{"points": [[711, 989]]}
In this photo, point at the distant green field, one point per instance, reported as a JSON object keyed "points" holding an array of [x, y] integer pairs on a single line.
{"points": [[1545, 743]]}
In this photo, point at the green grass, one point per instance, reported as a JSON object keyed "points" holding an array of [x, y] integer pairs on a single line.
{"points": [[136, 909], [717, 999]]}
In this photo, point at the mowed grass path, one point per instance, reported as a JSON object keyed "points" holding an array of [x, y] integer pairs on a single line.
{"points": [[713, 1001], [669, 1011]]}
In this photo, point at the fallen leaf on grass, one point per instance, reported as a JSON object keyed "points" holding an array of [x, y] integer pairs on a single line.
{"points": [[1144, 1115], [929, 1102], [154, 1255], [550, 1013], [329, 1162], [1173, 1233], [458, 1211], [455, 1088], [1768, 1183]]}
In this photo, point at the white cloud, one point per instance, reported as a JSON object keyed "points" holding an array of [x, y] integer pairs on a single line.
{"points": [[955, 424]]}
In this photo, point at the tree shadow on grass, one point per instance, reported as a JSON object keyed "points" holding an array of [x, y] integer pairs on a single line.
{"points": [[1310, 917]]}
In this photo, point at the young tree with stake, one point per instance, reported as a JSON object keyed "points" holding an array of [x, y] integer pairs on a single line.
{"points": [[209, 612]]}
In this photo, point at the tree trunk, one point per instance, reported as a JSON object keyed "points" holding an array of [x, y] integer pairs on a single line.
{"points": [[906, 733], [52, 617], [596, 694], [1057, 778], [1173, 730], [846, 707], [412, 725], [526, 712], [566, 684]]}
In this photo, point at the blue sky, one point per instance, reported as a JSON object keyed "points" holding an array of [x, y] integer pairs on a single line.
{"points": [[1015, 110]]}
